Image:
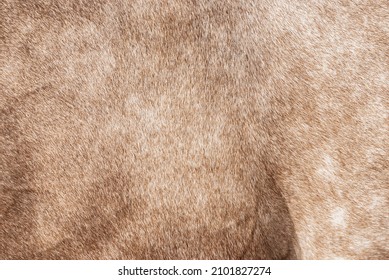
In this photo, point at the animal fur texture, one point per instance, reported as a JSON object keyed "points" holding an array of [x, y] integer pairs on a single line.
{"points": [[194, 129]]}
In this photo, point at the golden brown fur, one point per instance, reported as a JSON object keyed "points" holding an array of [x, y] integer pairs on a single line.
{"points": [[194, 129]]}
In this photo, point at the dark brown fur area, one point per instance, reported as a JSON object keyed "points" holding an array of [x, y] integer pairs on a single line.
{"points": [[194, 129]]}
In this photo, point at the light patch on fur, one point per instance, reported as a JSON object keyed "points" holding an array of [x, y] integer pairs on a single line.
{"points": [[359, 244], [376, 202], [339, 218], [373, 154], [327, 170], [375, 114]]}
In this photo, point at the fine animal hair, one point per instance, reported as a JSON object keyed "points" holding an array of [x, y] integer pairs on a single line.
{"points": [[194, 129]]}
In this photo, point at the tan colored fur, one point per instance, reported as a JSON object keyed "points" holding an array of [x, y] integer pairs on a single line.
{"points": [[194, 129]]}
